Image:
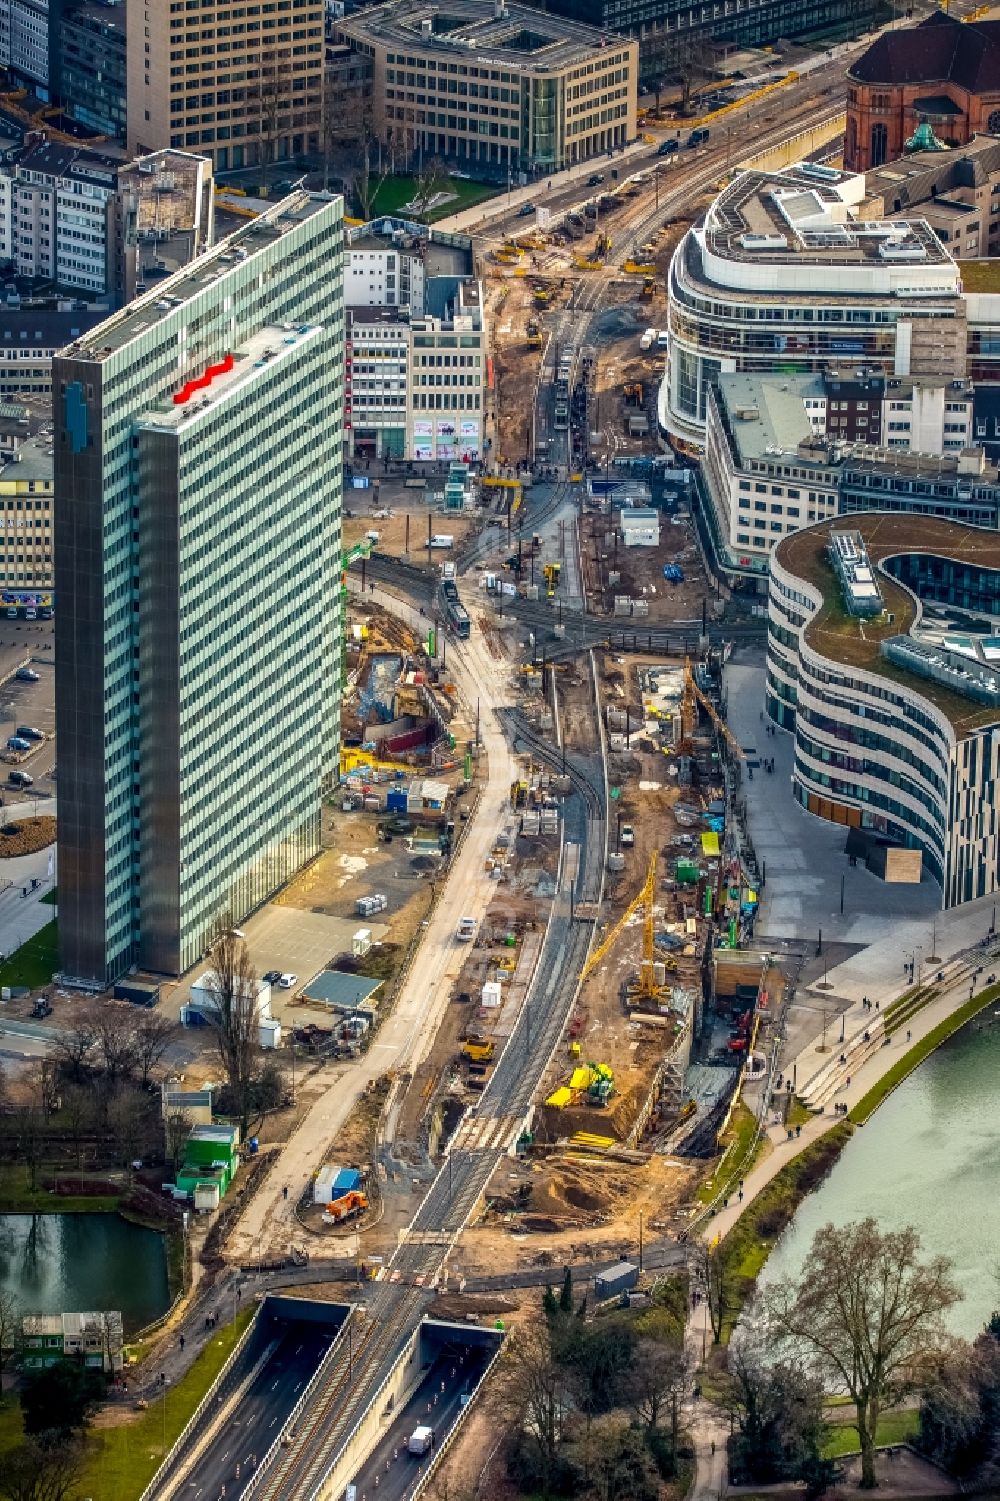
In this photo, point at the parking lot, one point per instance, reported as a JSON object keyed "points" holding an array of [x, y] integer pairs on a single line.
{"points": [[28, 704]]}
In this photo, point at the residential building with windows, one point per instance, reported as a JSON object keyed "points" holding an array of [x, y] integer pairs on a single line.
{"points": [[943, 72], [501, 86], [26, 514], [788, 273], [197, 554], [99, 227], [417, 345], [242, 86], [29, 340], [97, 1339], [895, 714], [778, 459]]}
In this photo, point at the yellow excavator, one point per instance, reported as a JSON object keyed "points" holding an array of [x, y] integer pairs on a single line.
{"points": [[645, 988]]}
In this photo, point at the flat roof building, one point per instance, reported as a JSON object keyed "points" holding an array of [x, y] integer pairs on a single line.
{"points": [[894, 705], [503, 85], [197, 552]]}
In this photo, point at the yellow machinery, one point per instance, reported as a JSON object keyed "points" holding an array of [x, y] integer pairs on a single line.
{"points": [[551, 573], [645, 988], [534, 334], [476, 1050], [691, 697], [649, 286]]}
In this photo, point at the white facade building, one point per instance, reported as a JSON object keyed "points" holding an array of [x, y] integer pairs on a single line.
{"points": [[57, 215], [785, 276], [895, 717]]}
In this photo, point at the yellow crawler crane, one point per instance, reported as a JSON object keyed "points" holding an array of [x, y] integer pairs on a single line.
{"points": [[645, 987]]}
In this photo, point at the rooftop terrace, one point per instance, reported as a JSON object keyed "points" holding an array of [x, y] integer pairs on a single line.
{"points": [[515, 37], [856, 642]]}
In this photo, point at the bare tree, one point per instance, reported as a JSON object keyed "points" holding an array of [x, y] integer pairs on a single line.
{"points": [[681, 58], [126, 1117], [37, 1471], [176, 1130], [656, 1385], [116, 1041], [76, 1046], [716, 1282], [10, 1326], [30, 1130], [868, 1315], [232, 984], [152, 1035], [533, 1392], [367, 182], [77, 1116]]}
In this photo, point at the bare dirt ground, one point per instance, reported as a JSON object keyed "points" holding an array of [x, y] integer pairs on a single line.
{"points": [[570, 1206], [392, 530], [640, 573]]}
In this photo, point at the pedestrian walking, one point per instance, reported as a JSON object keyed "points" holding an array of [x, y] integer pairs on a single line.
{"points": [[909, 1034], [182, 1342]]}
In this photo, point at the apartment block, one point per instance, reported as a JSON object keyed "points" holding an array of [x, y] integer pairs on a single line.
{"points": [[417, 348], [503, 85], [197, 548], [242, 84], [87, 64]]}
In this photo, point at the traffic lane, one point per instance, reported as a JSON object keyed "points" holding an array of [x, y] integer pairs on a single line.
{"points": [[30, 704], [436, 1403], [246, 1436]]}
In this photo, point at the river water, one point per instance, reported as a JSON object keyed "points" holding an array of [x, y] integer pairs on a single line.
{"points": [[74, 1263], [928, 1157]]}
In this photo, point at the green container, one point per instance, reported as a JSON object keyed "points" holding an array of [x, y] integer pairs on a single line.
{"points": [[686, 872]]}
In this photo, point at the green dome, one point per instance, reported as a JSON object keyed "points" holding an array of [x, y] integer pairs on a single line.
{"points": [[924, 139]]}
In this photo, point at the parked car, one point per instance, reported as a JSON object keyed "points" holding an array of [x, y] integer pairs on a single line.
{"points": [[272, 977], [18, 743], [20, 779], [594, 179], [525, 210], [667, 148], [28, 732], [288, 982], [26, 675]]}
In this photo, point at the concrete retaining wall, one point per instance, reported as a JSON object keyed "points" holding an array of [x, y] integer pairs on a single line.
{"points": [[394, 1392], [796, 147]]}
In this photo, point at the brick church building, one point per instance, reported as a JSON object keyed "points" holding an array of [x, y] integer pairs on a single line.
{"points": [[944, 71]]}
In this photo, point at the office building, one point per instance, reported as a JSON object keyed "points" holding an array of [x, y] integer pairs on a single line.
{"points": [[953, 190], [197, 548], [661, 26], [417, 345], [87, 64], [787, 273], [26, 514], [776, 460], [500, 86], [243, 88], [943, 73], [894, 713], [24, 43]]}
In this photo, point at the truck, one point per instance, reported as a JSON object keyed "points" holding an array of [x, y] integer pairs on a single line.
{"points": [[466, 930], [442, 540], [421, 1440], [628, 836], [648, 339], [477, 1050]]}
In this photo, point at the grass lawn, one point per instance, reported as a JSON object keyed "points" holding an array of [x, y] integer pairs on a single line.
{"points": [[16, 1196], [798, 1113], [735, 1164], [893, 1428], [50, 898], [869, 1103], [123, 1460], [397, 191], [11, 1425], [35, 962]]}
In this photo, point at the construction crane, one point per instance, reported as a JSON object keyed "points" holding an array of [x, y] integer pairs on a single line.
{"points": [[691, 697], [645, 988]]}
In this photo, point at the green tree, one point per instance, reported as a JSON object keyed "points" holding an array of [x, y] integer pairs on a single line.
{"points": [[868, 1315], [566, 1293], [777, 1409], [60, 1398]]}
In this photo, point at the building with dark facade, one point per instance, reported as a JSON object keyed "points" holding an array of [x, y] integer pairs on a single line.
{"points": [[87, 65], [944, 71], [198, 440], [658, 25]]}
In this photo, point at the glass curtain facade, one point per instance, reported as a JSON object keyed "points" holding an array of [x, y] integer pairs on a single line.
{"points": [[197, 638]]}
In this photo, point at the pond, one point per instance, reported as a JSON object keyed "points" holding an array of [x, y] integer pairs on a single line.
{"points": [[928, 1157], [71, 1263]]}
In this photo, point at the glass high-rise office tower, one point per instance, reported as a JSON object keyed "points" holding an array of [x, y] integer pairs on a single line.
{"points": [[197, 551]]}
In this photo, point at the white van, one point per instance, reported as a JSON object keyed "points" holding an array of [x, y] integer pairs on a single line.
{"points": [[662, 339], [648, 339], [442, 540]]}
